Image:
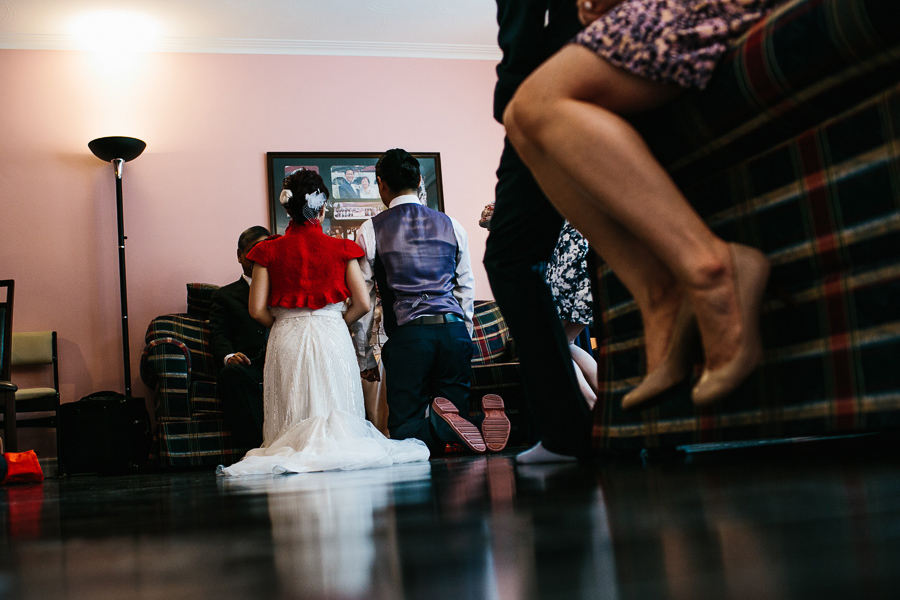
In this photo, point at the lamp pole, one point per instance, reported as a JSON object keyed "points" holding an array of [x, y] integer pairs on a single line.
{"points": [[119, 150]]}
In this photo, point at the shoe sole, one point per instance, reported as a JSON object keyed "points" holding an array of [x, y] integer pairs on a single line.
{"points": [[466, 432], [495, 428]]}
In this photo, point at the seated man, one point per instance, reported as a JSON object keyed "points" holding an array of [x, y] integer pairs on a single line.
{"points": [[239, 349]]}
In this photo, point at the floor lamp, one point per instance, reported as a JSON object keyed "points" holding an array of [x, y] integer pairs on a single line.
{"points": [[119, 150]]}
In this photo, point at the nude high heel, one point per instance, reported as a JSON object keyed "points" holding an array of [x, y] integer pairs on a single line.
{"points": [[677, 365], [750, 269]]}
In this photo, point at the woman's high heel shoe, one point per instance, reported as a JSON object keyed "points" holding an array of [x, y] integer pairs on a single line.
{"points": [[677, 365], [750, 273]]}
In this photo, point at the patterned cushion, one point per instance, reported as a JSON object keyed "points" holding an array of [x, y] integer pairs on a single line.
{"points": [[491, 335], [199, 299], [202, 442], [821, 202]]}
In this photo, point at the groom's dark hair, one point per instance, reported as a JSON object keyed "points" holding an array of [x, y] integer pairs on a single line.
{"points": [[399, 170]]}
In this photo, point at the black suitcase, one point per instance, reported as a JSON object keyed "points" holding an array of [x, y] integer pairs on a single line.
{"points": [[106, 433]]}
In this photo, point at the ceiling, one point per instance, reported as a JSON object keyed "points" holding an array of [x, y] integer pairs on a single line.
{"points": [[461, 29]]}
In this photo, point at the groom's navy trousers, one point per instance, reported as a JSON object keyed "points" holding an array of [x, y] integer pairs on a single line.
{"points": [[422, 362]]}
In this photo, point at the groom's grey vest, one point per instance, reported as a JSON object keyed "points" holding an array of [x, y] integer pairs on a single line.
{"points": [[415, 264]]}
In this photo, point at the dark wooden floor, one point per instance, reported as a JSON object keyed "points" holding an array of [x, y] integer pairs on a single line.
{"points": [[813, 520]]}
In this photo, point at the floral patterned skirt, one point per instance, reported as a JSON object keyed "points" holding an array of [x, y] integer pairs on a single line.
{"points": [[672, 41], [567, 276]]}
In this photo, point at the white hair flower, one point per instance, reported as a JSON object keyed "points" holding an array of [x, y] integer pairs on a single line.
{"points": [[285, 197], [315, 200]]}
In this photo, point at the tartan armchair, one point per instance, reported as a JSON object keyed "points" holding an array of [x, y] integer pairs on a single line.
{"points": [[495, 370], [177, 364], [793, 148]]}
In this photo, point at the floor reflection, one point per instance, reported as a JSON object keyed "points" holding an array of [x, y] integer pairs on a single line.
{"points": [[770, 526], [764, 528], [333, 532], [498, 531], [453, 528]]}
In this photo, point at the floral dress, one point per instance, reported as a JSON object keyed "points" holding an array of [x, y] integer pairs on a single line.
{"points": [[567, 276], [672, 41]]}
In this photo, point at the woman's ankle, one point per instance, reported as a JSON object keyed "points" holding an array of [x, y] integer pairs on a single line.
{"points": [[710, 269], [659, 322]]}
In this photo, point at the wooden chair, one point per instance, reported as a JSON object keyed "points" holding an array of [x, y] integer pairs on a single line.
{"points": [[7, 387], [37, 406]]}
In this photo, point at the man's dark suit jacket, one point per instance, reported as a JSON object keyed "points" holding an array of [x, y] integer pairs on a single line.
{"points": [[346, 190], [232, 329]]}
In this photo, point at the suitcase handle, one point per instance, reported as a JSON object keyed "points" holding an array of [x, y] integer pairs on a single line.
{"points": [[107, 394]]}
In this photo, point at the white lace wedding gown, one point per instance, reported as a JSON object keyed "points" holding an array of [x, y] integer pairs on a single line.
{"points": [[313, 401]]}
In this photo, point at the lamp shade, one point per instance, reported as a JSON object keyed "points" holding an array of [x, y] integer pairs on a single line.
{"points": [[111, 148]]}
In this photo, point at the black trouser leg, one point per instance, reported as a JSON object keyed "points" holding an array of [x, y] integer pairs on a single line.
{"points": [[421, 362], [524, 231], [452, 371], [407, 362], [239, 387]]}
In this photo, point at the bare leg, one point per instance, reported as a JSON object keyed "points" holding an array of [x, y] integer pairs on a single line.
{"points": [[595, 168], [653, 285], [585, 365]]}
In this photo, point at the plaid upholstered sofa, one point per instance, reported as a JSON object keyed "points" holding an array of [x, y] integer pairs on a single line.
{"points": [[177, 364], [794, 148]]}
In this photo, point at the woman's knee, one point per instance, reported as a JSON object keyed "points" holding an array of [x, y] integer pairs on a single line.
{"points": [[527, 113], [511, 121]]}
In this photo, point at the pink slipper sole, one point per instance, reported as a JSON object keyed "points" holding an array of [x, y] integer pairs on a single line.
{"points": [[467, 432], [495, 427]]}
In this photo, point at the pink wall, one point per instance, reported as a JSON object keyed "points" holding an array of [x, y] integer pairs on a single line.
{"points": [[208, 121]]}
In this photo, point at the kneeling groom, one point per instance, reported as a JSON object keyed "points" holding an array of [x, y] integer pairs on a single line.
{"points": [[419, 260]]}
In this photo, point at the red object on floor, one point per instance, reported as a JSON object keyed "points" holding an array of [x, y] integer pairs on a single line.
{"points": [[22, 467]]}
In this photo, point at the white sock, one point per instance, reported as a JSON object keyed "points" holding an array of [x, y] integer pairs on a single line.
{"points": [[537, 454]]}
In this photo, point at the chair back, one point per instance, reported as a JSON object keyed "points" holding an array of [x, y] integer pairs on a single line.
{"points": [[33, 348], [36, 348], [7, 288]]}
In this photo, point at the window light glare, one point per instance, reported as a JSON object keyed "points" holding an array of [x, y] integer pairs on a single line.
{"points": [[115, 31]]}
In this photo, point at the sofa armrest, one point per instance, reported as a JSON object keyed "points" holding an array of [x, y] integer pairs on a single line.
{"points": [[490, 335], [193, 333], [166, 367]]}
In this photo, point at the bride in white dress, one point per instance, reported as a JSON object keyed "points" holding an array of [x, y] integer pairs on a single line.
{"points": [[312, 392]]}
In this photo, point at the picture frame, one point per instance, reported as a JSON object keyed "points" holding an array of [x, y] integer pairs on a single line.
{"points": [[352, 202]]}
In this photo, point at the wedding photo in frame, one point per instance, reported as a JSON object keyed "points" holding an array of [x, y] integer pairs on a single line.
{"points": [[350, 178]]}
